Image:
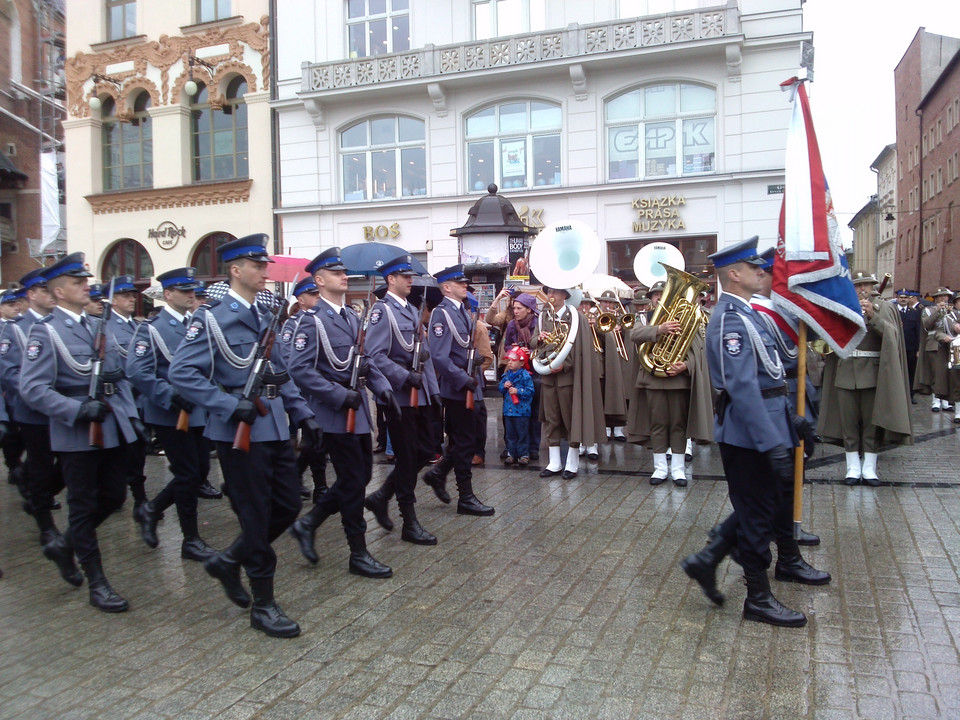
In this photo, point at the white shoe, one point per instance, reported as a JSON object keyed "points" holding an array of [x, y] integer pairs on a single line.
{"points": [[618, 433], [593, 452], [659, 468], [677, 470], [854, 469], [944, 405]]}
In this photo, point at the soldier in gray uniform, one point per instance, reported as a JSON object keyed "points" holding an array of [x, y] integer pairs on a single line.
{"points": [[42, 478], [55, 379], [395, 326], [12, 442], [211, 367], [321, 362], [148, 367]]}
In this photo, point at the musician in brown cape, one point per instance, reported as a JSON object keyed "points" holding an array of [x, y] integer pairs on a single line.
{"points": [[866, 398], [570, 402], [932, 374]]}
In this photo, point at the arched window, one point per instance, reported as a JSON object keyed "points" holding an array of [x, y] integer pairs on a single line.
{"points": [[515, 145], [205, 256], [384, 158], [677, 123], [127, 146], [128, 257], [219, 137]]}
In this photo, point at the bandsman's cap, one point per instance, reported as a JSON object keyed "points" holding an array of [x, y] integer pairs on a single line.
{"points": [[745, 251], [608, 296], [327, 260], [942, 291], [861, 278], [249, 246], [184, 278], [657, 287]]}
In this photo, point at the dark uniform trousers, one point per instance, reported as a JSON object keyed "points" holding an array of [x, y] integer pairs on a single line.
{"points": [[460, 427], [136, 458], [411, 438], [762, 491], [12, 445], [265, 493], [41, 469], [189, 460], [480, 427], [96, 487], [352, 458], [668, 419]]}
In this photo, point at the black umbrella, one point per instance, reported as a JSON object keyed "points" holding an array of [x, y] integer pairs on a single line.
{"points": [[368, 258]]}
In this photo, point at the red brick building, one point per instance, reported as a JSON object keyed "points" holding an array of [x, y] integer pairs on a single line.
{"points": [[31, 110], [927, 89]]}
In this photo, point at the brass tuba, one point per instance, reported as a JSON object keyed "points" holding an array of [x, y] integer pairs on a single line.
{"points": [[679, 302]]}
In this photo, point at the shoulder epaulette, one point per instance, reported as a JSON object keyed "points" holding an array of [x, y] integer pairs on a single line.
{"points": [[210, 304], [45, 318], [151, 319]]}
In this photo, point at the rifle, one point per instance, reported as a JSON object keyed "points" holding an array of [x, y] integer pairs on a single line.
{"points": [[254, 384], [417, 364], [357, 361], [472, 358], [96, 369]]}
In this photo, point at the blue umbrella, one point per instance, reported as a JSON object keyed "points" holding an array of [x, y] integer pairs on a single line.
{"points": [[368, 258]]}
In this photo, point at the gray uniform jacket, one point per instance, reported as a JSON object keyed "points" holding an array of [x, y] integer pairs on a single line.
{"points": [[148, 367], [390, 340], [55, 379], [212, 364], [13, 343], [449, 333], [321, 362]]}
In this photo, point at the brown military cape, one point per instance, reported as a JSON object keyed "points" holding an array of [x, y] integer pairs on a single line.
{"points": [[614, 393], [891, 406], [932, 375]]}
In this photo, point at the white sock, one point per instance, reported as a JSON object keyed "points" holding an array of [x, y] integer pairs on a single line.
{"points": [[676, 466], [869, 466], [554, 464], [573, 460], [659, 466], [618, 431], [935, 403], [854, 470]]}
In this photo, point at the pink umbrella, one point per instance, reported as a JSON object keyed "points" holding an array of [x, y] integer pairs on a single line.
{"points": [[286, 268]]}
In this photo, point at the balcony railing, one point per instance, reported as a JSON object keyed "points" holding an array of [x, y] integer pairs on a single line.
{"points": [[571, 42]]}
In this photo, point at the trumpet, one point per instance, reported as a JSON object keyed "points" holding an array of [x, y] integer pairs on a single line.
{"points": [[595, 313], [607, 322]]}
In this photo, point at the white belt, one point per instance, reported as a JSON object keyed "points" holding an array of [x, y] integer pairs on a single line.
{"points": [[864, 354]]}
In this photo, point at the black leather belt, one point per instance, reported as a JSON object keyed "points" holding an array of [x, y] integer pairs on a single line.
{"points": [[774, 392], [109, 389], [269, 391]]}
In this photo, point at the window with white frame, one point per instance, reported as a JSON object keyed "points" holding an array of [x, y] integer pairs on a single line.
{"points": [[677, 125], [127, 145], [384, 158], [496, 18], [515, 145], [377, 27], [211, 10], [121, 19]]}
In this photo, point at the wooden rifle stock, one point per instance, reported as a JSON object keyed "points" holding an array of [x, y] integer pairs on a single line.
{"points": [[96, 434]]}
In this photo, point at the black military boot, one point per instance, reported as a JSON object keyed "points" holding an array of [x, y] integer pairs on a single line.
{"points": [[208, 491], [225, 567], [266, 616], [138, 492], [147, 518], [791, 567], [807, 538], [362, 562], [60, 550], [102, 596], [467, 503], [761, 606], [436, 478], [194, 548], [304, 530], [702, 567], [412, 531], [379, 504]]}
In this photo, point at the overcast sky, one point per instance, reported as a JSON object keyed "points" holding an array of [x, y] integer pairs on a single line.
{"points": [[858, 43]]}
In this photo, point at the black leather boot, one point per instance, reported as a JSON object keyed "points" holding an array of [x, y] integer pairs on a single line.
{"points": [[362, 562], [147, 518], [303, 531], [102, 596], [225, 567], [734, 550], [266, 616], [761, 606], [808, 539], [412, 531], [60, 550], [702, 567], [379, 504], [208, 491], [194, 548], [436, 478], [791, 567], [467, 503]]}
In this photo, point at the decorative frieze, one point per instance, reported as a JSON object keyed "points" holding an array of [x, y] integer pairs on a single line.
{"points": [[198, 194]]}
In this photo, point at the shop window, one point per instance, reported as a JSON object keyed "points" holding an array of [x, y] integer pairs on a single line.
{"points": [[677, 125], [127, 145], [377, 27], [219, 135], [515, 145], [696, 252], [384, 158]]}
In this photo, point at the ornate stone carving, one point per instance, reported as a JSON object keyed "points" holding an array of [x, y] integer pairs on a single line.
{"points": [[450, 60], [711, 24], [551, 46], [624, 36], [682, 28], [410, 66], [164, 54], [365, 72], [387, 69], [596, 40], [652, 32], [499, 53], [526, 50], [221, 193], [475, 57]]}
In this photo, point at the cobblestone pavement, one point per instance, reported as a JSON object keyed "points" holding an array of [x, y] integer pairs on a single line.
{"points": [[567, 603]]}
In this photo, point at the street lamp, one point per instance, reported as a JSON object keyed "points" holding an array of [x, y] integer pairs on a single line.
{"points": [[190, 87], [95, 102]]}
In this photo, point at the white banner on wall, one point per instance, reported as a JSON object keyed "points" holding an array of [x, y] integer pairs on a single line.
{"points": [[49, 200]]}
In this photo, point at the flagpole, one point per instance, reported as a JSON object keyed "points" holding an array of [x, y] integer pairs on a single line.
{"points": [[801, 411]]}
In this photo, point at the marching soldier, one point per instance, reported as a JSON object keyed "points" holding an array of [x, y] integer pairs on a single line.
{"points": [[392, 338], [148, 366], [932, 376], [450, 334], [210, 368], [910, 320], [866, 401], [307, 296], [55, 380], [12, 443], [40, 472], [755, 431], [322, 358], [614, 392], [947, 335]]}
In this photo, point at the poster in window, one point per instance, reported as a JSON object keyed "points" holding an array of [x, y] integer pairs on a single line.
{"points": [[514, 158]]}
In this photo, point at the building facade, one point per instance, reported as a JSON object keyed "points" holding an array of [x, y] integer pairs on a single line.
{"points": [[885, 166], [646, 120], [864, 227], [169, 132], [927, 87], [31, 139]]}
